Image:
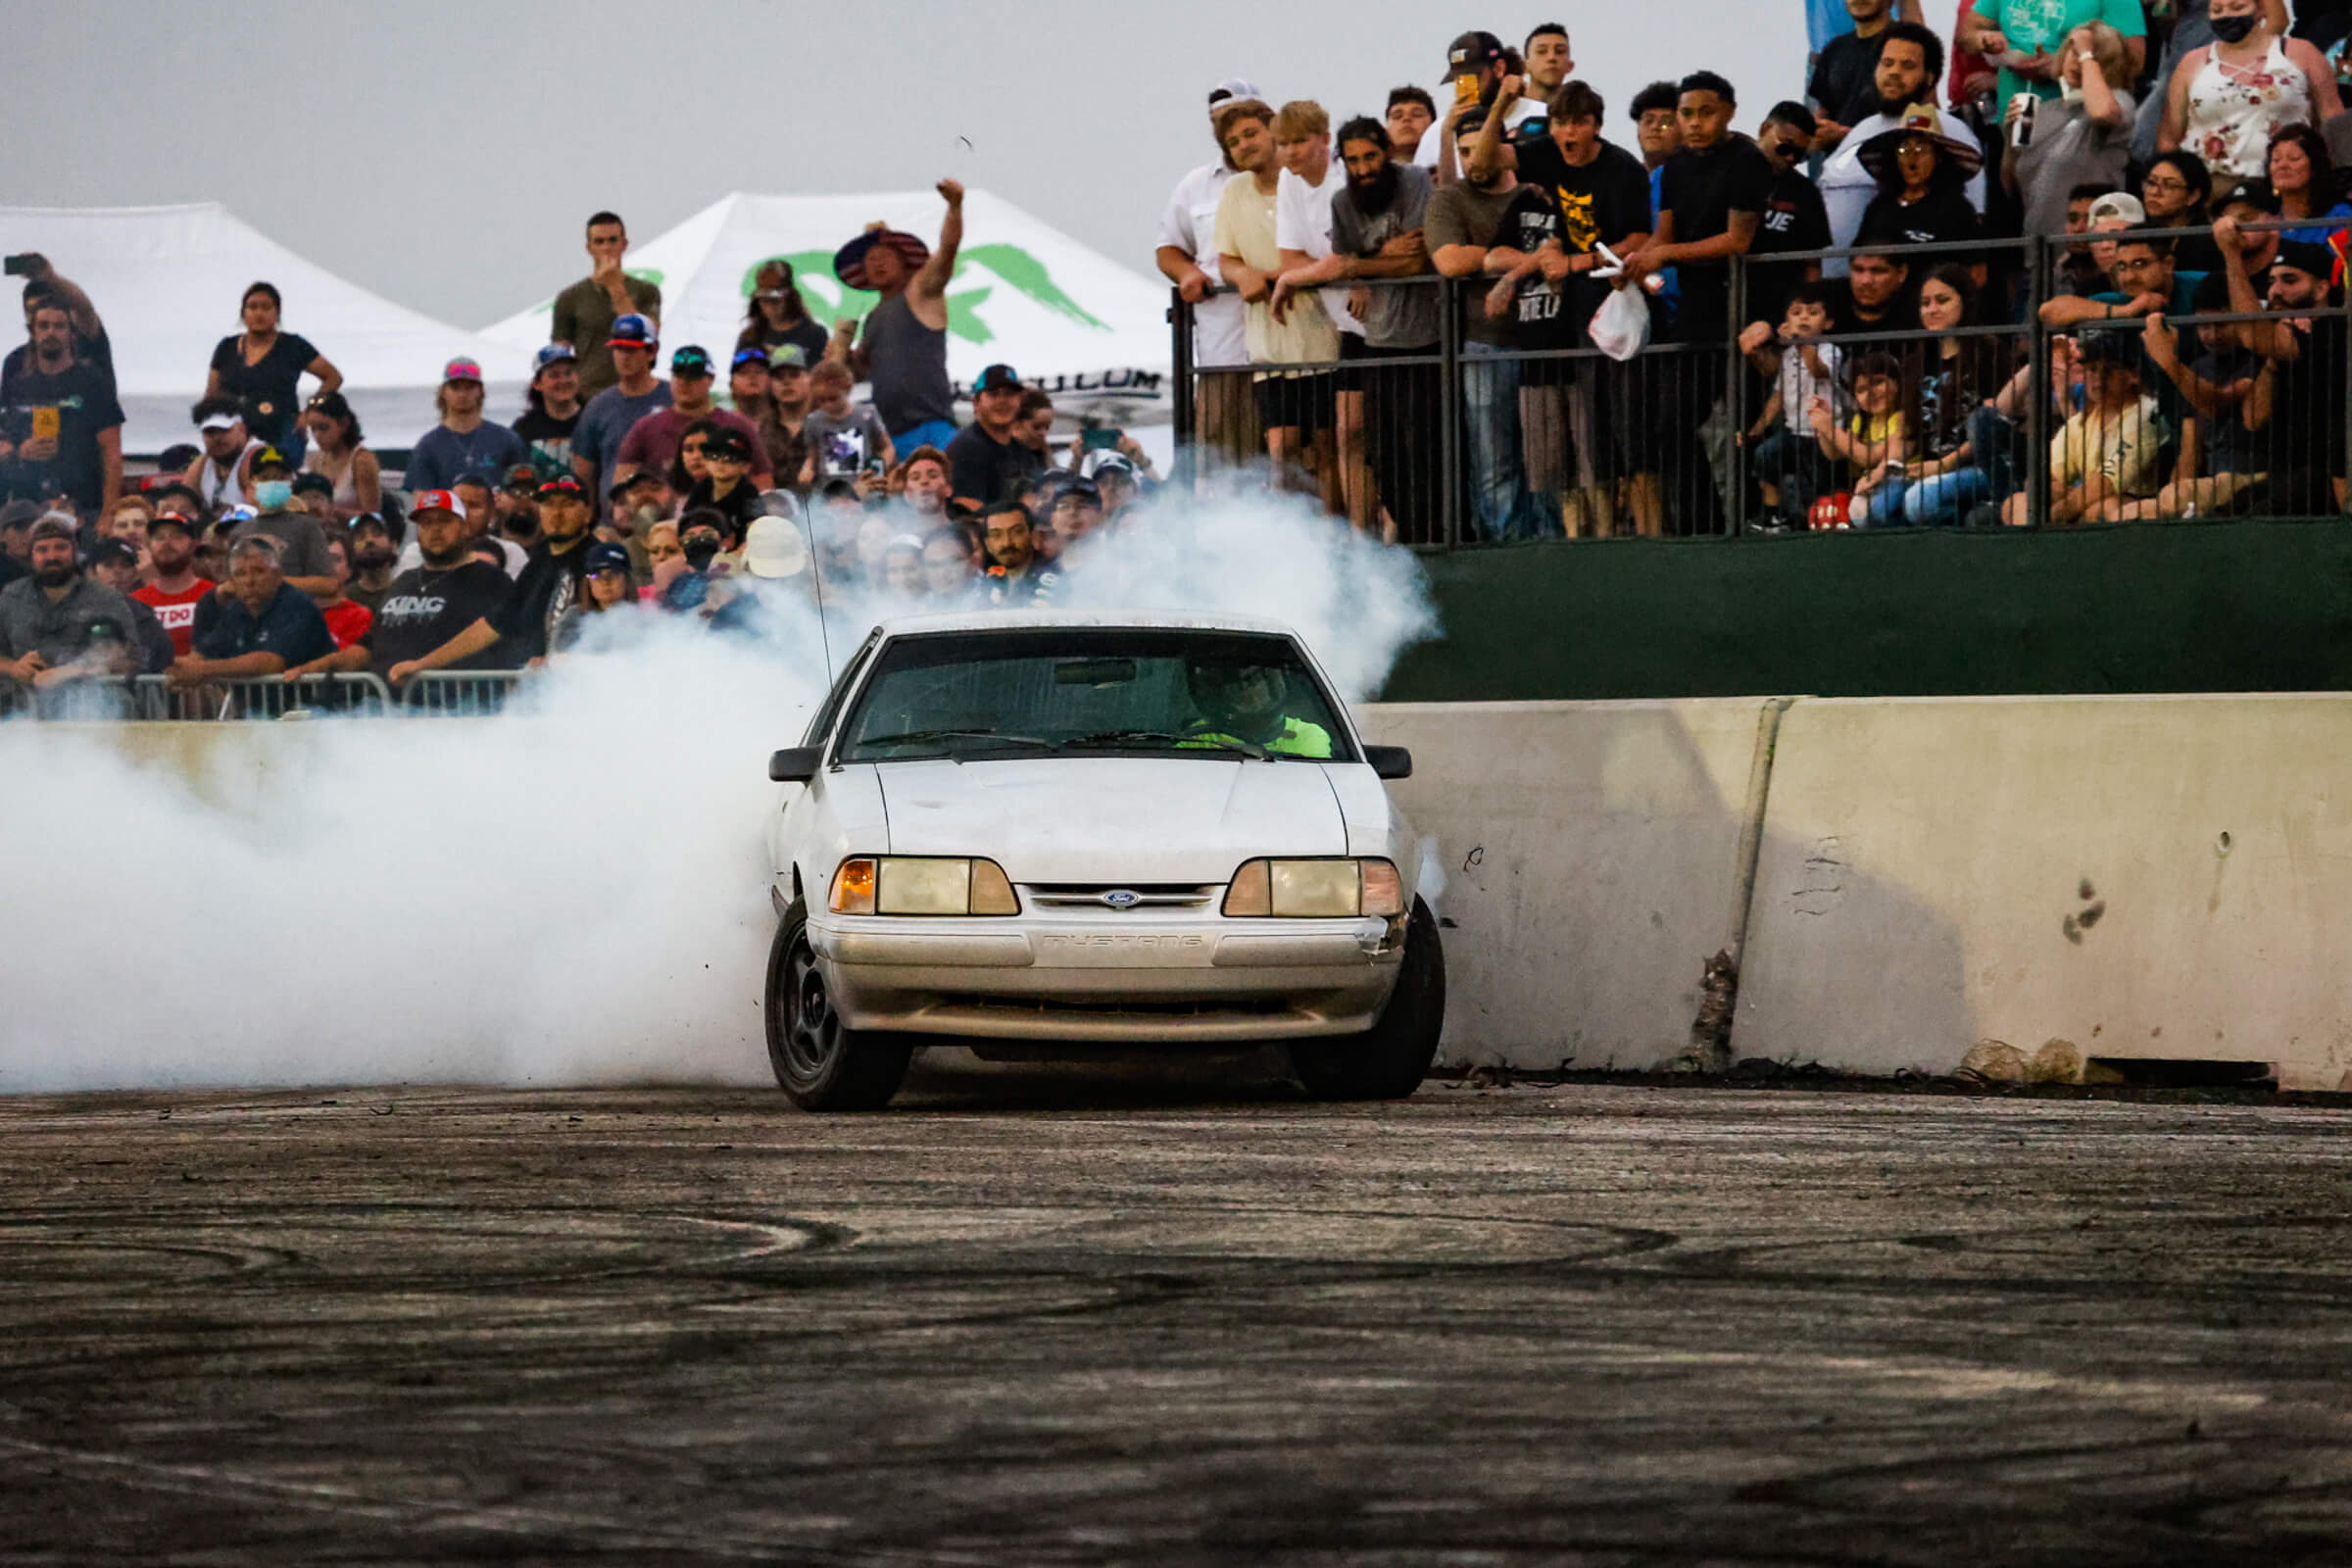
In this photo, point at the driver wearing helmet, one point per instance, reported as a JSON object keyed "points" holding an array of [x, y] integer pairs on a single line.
{"points": [[1243, 705]]}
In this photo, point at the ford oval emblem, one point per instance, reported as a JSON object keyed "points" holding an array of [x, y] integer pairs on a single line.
{"points": [[1123, 898]]}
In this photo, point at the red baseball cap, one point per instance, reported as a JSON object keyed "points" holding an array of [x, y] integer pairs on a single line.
{"points": [[437, 501]]}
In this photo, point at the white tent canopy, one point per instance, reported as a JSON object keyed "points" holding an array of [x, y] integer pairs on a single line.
{"points": [[168, 282], [1091, 332]]}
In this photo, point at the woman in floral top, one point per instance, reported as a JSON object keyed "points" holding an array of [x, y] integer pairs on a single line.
{"points": [[2226, 99]]}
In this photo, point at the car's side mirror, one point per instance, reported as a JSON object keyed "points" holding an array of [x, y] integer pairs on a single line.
{"points": [[795, 764], [1388, 762]]}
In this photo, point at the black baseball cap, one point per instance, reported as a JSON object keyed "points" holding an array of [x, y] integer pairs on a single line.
{"points": [[727, 442], [19, 514], [314, 484], [692, 359], [173, 520], [1472, 53], [474, 476], [997, 378], [110, 551], [270, 457]]}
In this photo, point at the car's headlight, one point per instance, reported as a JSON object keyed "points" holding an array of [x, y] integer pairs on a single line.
{"points": [[904, 884], [1316, 889]]}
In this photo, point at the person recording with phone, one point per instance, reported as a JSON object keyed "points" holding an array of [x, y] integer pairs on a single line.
{"points": [[61, 429], [43, 281]]}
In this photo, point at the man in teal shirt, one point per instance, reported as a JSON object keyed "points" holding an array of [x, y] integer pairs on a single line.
{"points": [[2030, 32]]}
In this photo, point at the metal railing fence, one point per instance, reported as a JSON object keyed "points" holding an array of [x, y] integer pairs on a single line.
{"points": [[1479, 428]]}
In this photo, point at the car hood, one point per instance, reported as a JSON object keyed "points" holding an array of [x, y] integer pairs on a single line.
{"points": [[1112, 819]]}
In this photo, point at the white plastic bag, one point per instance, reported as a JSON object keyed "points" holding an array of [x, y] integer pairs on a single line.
{"points": [[1621, 326]]}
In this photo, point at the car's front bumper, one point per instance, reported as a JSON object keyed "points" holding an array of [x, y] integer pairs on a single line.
{"points": [[1145, 979]]}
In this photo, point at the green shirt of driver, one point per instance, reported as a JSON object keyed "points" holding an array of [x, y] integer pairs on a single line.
{"points": [[1297, 738]]}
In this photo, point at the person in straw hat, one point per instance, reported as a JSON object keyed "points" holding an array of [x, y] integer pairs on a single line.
{"points": [[903, 349]]}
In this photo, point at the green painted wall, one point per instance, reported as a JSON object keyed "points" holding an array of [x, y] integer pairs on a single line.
{"points": [[2222, 606]]}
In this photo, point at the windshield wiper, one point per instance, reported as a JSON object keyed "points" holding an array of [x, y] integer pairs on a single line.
{"points": [[915, 736], [1121, 737]]}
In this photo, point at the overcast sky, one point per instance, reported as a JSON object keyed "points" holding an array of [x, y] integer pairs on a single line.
{"points": [[445, 152]]}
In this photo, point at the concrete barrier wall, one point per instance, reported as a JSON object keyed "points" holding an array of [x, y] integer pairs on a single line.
{"points": [[1592, 862], [2048, 882], [2076, 878]]}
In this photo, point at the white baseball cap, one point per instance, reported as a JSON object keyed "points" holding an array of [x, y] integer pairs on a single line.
{"points": [[772, 548]]}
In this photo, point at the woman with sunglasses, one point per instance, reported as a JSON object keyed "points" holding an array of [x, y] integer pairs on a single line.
{"points": [[336, 453]]}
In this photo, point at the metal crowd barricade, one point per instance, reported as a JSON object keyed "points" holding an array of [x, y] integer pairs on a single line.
{"points": [[1669, 469], [458, 694], [155, 698]]}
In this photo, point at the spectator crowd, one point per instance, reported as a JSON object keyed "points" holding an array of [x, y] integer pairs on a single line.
{"points": [[2072, 261], [2060, 261], [710, 485]]}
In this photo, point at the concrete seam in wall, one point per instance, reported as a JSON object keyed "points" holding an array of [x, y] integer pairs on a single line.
{"points": [[1711, 1031]]}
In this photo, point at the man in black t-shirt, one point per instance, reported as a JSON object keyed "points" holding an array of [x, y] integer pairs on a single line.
{"points": [[1598, 194], [427, 606], [1711, 200], [1795, 219], [1843, 86], [61, 429]]}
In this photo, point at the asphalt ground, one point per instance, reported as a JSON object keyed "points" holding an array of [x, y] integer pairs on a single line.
{"points": [[1075, 1318]]}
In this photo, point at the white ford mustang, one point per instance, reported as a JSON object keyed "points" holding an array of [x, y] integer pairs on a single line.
{"points": [[1033, 833]]}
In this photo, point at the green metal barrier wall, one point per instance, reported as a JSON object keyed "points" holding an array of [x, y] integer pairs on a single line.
{"points": [[2186, 607]]}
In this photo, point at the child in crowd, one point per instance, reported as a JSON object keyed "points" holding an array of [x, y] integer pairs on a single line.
{"points": [[1790, 468], [1876, 438], [844, 440]]}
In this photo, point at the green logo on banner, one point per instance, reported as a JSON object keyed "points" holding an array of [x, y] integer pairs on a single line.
{"points": [[829, 300]]}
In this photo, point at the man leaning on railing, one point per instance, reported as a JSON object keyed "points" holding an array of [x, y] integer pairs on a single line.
{"points": [[257, 624], [59, 626]]}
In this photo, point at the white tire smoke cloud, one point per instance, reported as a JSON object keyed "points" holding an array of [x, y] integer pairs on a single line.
{"points": [[572, 893]]}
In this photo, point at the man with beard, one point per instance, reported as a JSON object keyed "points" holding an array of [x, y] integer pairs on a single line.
{"points": [[1376, 233], [59, 626], [1910, 64], [62, 433], [1479, 72], [1467, 240], [371, 557], [1225, 418], [2295, 409], [173, 595], [549, 586], [428, 606]]}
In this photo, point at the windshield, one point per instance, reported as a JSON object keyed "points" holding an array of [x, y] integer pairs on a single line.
{"points": [[1089, 691]]}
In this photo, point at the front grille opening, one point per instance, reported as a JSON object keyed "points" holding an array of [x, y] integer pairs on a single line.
{"points": [[2181, 1073], [1149, 895], [1222, 1007]]}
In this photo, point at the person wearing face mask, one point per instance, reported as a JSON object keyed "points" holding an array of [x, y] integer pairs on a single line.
{"points": [[2226, 99], [2191, 30], [704, 538], [302, 542]]}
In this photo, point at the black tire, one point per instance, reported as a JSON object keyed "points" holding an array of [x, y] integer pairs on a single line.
{"points": [[1388, 1061], [822, 1063]]}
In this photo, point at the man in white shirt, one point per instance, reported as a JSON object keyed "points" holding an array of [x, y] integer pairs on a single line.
{"points": [[1910, 64], [1225, 413]]}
